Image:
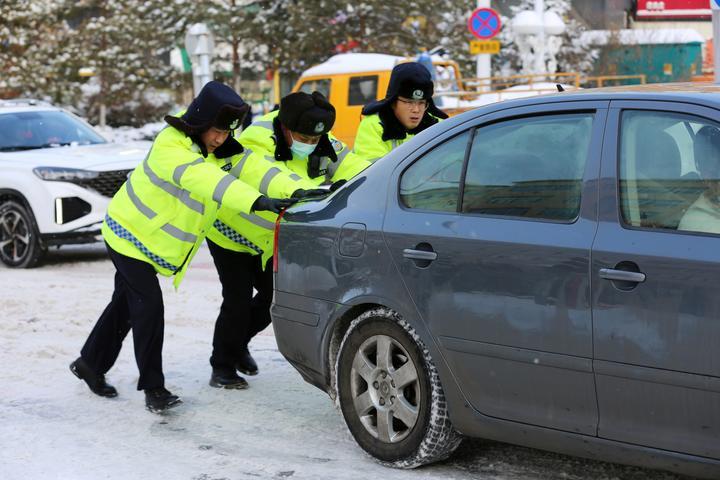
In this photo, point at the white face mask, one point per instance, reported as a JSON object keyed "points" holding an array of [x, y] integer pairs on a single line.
{"points": [[302, 150]]}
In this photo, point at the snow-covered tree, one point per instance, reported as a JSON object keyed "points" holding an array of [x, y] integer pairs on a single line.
{"points": [[32, 32], [300, 35], [573, 55], [127, 44]]}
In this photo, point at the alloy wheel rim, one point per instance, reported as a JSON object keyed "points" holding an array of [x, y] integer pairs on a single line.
{"points": [[14, 236], [385, 389]]}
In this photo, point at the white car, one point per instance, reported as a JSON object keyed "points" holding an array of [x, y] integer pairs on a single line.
{"points": [[57, 176]]}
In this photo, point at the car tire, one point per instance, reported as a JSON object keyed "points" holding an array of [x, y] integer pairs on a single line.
{"points": [[389, 392], [20, 245]]}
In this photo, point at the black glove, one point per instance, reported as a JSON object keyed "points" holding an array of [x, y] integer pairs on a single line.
{"points": [[314, 192], [337, 185], [274, 205]]}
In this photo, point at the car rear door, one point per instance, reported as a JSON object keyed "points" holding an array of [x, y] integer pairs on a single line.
{"points": [[491, 229], [656, 278]]}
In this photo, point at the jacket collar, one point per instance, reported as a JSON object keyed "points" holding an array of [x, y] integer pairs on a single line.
{"points": [[229, 147]]}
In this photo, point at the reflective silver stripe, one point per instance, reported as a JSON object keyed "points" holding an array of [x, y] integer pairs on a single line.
{"points": [[235, 171], [144, 209], [175, 232], [178, 173], [179, 193], [270, 158], [267, 178], [333, 166], [394, 144], [263, 124], [259, 221], [295, 176], [222, 187]]}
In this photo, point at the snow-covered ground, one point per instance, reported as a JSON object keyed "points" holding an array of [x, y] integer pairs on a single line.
{"points": [[52, 427]]}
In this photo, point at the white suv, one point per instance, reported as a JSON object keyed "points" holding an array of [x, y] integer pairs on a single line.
{"points": [[57, 176]]}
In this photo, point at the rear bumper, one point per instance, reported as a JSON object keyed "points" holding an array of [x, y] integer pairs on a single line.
{"points": [[299, 323]]}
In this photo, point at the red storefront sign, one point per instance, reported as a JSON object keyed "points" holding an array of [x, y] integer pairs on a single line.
{"points": [[673, 10]]}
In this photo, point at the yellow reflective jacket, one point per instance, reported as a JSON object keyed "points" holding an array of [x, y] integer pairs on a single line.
{"points": [[260, 136], [163, 211], [253, 232], [369, 143], [275, 178]]}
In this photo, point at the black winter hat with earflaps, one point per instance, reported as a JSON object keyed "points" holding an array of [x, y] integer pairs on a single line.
{"points": [[307, 114], [217, 105], [410, 80]]}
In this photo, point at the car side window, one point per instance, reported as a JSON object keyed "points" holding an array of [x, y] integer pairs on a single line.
{"points": [[362, 90], [529, 167], [433, 181], [669, 171], [321, 85]]}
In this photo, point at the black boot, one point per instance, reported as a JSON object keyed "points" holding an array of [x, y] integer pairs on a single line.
{"points": [[95, 381], [158, 400], [227, 378], [246, 364]]}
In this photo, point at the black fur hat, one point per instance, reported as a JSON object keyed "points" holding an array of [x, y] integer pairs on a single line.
{"points": [[217, 105], [307, 114], [410, 80]]}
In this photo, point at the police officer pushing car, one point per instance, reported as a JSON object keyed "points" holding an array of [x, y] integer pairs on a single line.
{"points": [[155, 224]]}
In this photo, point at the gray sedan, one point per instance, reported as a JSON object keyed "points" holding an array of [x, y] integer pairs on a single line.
{"points": [[543, 272]]}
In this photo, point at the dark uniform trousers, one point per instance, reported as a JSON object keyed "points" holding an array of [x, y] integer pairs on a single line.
{"points": [[242, 315], [136, 303]]}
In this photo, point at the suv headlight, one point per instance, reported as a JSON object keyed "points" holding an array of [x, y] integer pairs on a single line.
{"points": [[60, 174]]}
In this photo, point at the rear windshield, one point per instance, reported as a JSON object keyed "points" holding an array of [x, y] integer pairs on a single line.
{"points": [[32, 130]]}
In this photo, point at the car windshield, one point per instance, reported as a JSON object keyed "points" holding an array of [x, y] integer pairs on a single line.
{"points": [[44, 129]]}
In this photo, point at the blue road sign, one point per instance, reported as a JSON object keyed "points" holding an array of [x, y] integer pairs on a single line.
{"points": [[485, 23]]}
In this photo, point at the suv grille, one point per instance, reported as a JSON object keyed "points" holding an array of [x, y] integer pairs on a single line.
{"points": [[106, 183]]}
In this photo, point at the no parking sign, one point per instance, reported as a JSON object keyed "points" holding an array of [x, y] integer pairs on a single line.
{"points": [[484, 23]]}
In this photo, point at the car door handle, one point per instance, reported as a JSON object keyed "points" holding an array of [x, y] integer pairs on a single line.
{"points": [[622, 275], [419, 254]]}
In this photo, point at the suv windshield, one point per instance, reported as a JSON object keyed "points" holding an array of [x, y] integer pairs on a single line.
{"points": [[43, 129]]}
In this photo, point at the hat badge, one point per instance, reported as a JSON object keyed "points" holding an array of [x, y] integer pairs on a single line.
{"points": [[417, 94], [319, 127]]}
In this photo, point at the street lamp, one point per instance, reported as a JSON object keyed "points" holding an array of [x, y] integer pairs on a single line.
{"points": [[537, 35]]}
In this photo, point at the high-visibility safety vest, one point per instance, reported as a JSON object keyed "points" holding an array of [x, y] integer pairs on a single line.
{"points": [[369, 144], [260, 137], [164, 210], [253, 232], [257, 166]]}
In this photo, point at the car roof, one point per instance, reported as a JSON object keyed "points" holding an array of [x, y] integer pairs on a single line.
{"points": [[705, 93]]}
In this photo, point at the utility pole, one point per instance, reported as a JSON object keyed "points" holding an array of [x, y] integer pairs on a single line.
{"points": [[715, 5]]}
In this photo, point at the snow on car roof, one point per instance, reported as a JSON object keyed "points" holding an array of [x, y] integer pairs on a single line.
{"points": [[354, 63], [642, 36]]}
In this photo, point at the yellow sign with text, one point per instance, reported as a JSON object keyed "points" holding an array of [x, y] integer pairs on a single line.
{"points": [[478, 47]]}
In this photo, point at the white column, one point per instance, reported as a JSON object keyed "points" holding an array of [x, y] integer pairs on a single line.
{"points": [[540, 44], [483, 60], [716, 41]]}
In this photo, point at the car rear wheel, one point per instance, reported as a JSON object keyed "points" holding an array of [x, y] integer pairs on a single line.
{"points": [[19, 240], [389, 392]]}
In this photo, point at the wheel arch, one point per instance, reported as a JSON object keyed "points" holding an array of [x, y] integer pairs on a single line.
{"points": [[11, 194]]}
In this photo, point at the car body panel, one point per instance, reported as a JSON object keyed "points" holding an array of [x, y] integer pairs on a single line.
{"points": [[638, 372], [656, 355]]}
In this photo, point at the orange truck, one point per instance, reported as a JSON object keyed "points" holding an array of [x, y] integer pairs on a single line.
{"points": [[352, 80]]}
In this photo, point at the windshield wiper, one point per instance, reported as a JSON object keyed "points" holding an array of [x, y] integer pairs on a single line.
{"points": [[17, 148]]}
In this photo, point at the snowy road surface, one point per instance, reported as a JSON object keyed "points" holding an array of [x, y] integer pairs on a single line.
{"points": [[52, 427]]}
